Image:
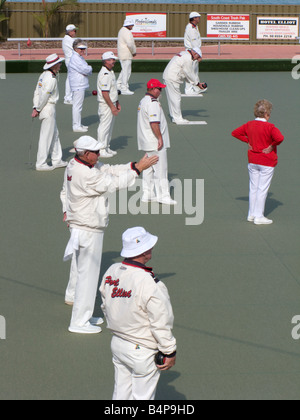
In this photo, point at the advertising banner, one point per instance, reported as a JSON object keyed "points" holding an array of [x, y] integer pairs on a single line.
{"points": [[277, 27], [228, 26], [152, 25]]}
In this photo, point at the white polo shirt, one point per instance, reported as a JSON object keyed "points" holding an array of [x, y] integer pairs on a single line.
{"points": [[150, 111], [106, 82]]}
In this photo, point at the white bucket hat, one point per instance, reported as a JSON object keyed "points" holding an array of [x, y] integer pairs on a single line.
{"points": [[197, 50], [136, 241], [85, 143], [194, 14], [51, 60], [108, 55], [128, 22]]}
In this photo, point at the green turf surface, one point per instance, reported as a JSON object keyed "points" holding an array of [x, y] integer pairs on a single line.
{"points": [[234, 286]]}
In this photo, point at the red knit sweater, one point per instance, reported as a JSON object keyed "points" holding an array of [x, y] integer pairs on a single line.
{"points": [[260, 135]]}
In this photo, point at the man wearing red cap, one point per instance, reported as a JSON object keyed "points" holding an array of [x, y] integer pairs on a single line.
{"points": [[153, 138]]}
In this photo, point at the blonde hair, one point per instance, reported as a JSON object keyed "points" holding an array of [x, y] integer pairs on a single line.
{"points": [[262, 107]]}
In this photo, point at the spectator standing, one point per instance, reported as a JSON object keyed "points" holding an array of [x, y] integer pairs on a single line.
{"points": [[67, 46], [126, 52]]}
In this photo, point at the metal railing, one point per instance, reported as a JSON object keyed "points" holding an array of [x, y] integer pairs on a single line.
{"points": [[217, 40]]}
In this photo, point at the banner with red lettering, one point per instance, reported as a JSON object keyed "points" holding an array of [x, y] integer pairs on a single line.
{"points": [[228, 26]]}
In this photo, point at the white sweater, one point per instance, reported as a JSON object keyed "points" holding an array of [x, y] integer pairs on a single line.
{"points": [[84, 193], [78, 72], [126, 44], [192, 37], [67, 46], [137, 308], [180, 68]]}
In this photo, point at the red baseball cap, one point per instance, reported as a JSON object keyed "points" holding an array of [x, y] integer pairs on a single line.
{"points": [[154, 83]]}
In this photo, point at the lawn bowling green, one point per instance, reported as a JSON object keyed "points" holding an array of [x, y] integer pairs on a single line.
{"points": [[234, 286]]}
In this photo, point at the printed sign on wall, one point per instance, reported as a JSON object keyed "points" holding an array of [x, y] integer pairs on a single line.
{"points": [[152, 25], [277, 27], [228, 26]]}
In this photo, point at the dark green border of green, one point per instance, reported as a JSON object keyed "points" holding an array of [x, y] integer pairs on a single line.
{"points": [[157, 66]]}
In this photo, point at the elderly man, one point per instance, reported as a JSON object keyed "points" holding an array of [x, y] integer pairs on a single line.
{"points": [[126, 52], [192, 39], [180, 68], [78, 73], [109, 106], [153, 138], [139, 314], [85, 205], [67, 46], [46, 96]]}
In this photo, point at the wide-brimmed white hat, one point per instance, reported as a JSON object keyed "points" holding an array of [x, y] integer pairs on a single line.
{"points": [[128, 22], [85, 143], [194, 14], [197, 50], [108, 55], [51, 60], [137, 240]]}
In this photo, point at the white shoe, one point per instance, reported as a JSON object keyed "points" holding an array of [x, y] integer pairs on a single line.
{"points": [[104, 154], [182, 121], [68, 102], [44, 168], [262, 221], [85, 126], [80, 129], [112, 152], [250, 218], [61, 164], [96, 321], [167, 200], [127, 92], [86, 329]]}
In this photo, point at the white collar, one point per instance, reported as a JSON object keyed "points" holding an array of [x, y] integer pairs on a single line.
{"points": [[260, 119]]}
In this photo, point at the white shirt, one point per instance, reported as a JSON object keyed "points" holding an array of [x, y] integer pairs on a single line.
{"points": [[180, 67], [106, 82], [78, 72], [137, 306], [84, 193], [192, 37], [46, 91], [150, 111], [67, 46], [126, 44]]}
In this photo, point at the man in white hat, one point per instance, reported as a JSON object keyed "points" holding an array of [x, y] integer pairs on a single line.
{"points": [[45, 97], [153, 138], [85, 205], [126, 52], [109, 106], [78, 73], [192, 39], [139, 314], [179, 69], [67, 46]]}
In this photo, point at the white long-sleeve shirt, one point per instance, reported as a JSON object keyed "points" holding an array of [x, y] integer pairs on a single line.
{"points": [[46, 91], [79, 72], [192, 37], [67, 46], [84, 193], [126, 45], [180, 68], [137, 306]]}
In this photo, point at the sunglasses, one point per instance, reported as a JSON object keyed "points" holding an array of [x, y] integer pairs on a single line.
{"points": [[97, 152]]}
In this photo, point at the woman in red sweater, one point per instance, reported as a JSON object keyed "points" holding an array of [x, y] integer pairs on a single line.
{"points": [[263, 139]]}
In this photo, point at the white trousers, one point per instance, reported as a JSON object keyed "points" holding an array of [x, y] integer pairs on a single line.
{"points": [[105, 128], [189, 88], [136, 375], [124, 76], [155, 178], [78, 98], [68, 92], [84, 277], [174, 99], [49, 142], [260, 181]]}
